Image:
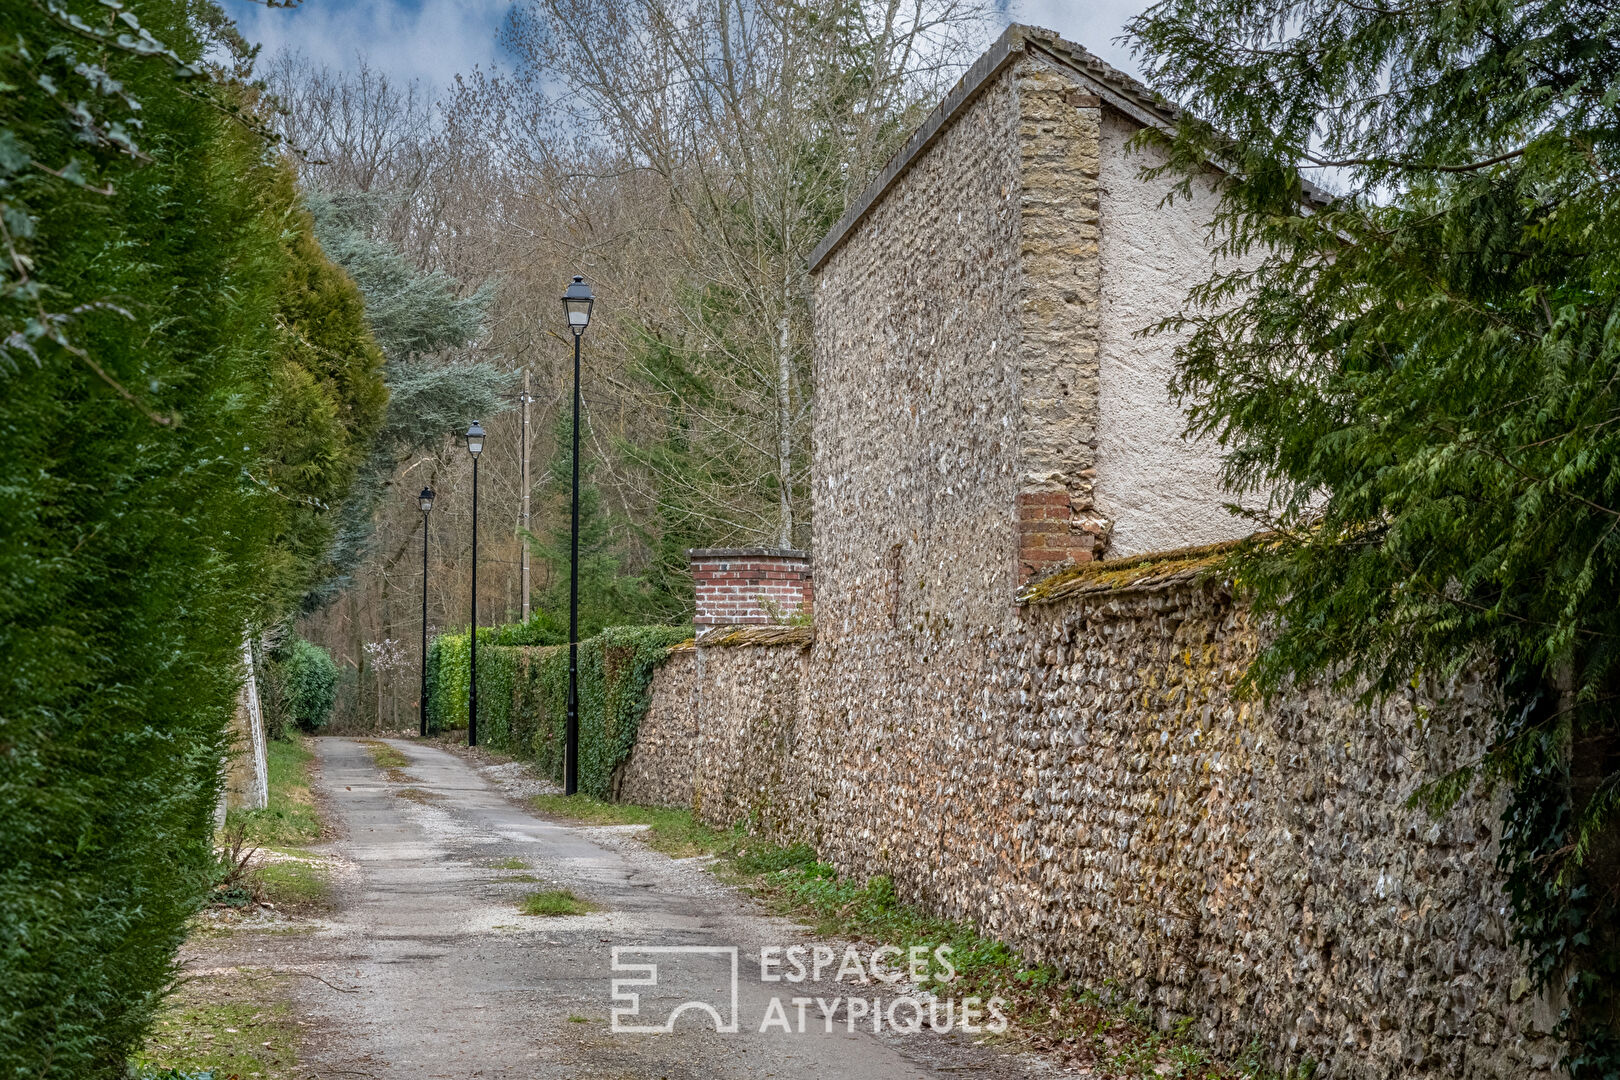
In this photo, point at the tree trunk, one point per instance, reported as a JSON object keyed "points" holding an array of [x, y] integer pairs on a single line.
{"points": [[784, 423]]}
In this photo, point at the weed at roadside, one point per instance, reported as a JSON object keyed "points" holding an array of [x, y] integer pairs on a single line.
{"points": [[553, 902], [384, 756], [234, 883]]}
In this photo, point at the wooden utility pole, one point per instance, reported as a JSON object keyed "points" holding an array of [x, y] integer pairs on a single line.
{"points": [[523, 546]]}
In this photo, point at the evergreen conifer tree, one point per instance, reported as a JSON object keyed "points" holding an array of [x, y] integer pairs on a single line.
{"points": [[421, 320], [188, 389], [1420, 370]]}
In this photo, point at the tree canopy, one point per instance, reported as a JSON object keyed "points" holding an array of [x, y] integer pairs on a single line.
{"points": [[1415, 366], [419, 318]]}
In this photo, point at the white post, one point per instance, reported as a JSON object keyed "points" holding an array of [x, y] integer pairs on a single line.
{"points": [[523, 548], [247, 764]]}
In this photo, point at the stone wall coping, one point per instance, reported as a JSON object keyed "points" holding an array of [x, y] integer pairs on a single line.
{"points": [[966, 89], [1149, 571], [748, 553], [1113, 86], [726, 637]]}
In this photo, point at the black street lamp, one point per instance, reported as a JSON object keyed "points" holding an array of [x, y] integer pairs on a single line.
{"points": [[577, 303], [475, 446], [427, 504]]}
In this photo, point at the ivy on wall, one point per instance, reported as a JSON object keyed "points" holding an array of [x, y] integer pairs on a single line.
{"points": [[523, 694]]}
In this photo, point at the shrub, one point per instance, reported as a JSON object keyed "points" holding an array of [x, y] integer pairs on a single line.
{"points": [[543, 628], [307, 678]]}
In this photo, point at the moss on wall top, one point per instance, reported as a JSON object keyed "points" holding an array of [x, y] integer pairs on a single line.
{"points": [[734, 636], [1151, 570]]}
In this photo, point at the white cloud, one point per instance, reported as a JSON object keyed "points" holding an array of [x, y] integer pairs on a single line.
{"points": [[433, 40], [430, 40]]}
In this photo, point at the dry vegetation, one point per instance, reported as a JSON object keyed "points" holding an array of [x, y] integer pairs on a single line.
{"points": [[687, 181]]}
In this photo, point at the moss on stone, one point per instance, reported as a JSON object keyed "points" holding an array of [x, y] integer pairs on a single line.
{"points": [[737, 636], [1131, 572]]}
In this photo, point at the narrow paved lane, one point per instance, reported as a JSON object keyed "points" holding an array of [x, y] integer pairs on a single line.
{"points": [[430, 972]]}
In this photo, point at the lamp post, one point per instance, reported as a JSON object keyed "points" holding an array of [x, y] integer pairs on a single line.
{"points": [[577, 302], [475, 446], [427, 504], [523, 550]]}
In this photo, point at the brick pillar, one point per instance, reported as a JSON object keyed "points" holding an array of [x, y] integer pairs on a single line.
{"points": [[751, 586], [1053, 532]]}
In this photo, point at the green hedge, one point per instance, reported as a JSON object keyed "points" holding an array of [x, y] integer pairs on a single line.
{"points": [[307, 678], [431, 686], [188, 386], [523, 695]]}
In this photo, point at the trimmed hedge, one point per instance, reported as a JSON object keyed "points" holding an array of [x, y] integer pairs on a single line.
{"points": [[307, 679], [523, 695], [188, 387]]}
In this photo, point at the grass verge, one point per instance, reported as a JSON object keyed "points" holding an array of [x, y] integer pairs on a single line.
{"points": [[228, 1025], [294, 886], [674, 832], [296, 882], [555, 902], [1089, 1027], [291, 817]]}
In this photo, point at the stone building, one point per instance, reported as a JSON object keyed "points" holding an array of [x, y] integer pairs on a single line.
{"points": [[1067, 765], [976, 319]]}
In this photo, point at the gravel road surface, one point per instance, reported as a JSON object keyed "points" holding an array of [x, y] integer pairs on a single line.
{"points": [[427, 970]]}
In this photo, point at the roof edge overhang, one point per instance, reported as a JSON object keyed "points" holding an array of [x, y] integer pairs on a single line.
{"points": [[984, 69], [1116, 89]]}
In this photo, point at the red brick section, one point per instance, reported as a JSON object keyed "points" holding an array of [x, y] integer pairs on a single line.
{"points": [[1049, 535], [750, 586]]}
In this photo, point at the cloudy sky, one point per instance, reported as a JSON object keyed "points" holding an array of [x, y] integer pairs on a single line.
{"points": [[432, 40]]}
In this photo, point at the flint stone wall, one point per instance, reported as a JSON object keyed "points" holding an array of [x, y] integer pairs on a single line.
{"points": [[925, 382], [1088, 789], [659, 770], [1074, 774], [720, 735]]}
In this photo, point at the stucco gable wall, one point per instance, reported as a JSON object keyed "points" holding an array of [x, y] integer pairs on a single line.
{"points": [[1160, 490]]}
